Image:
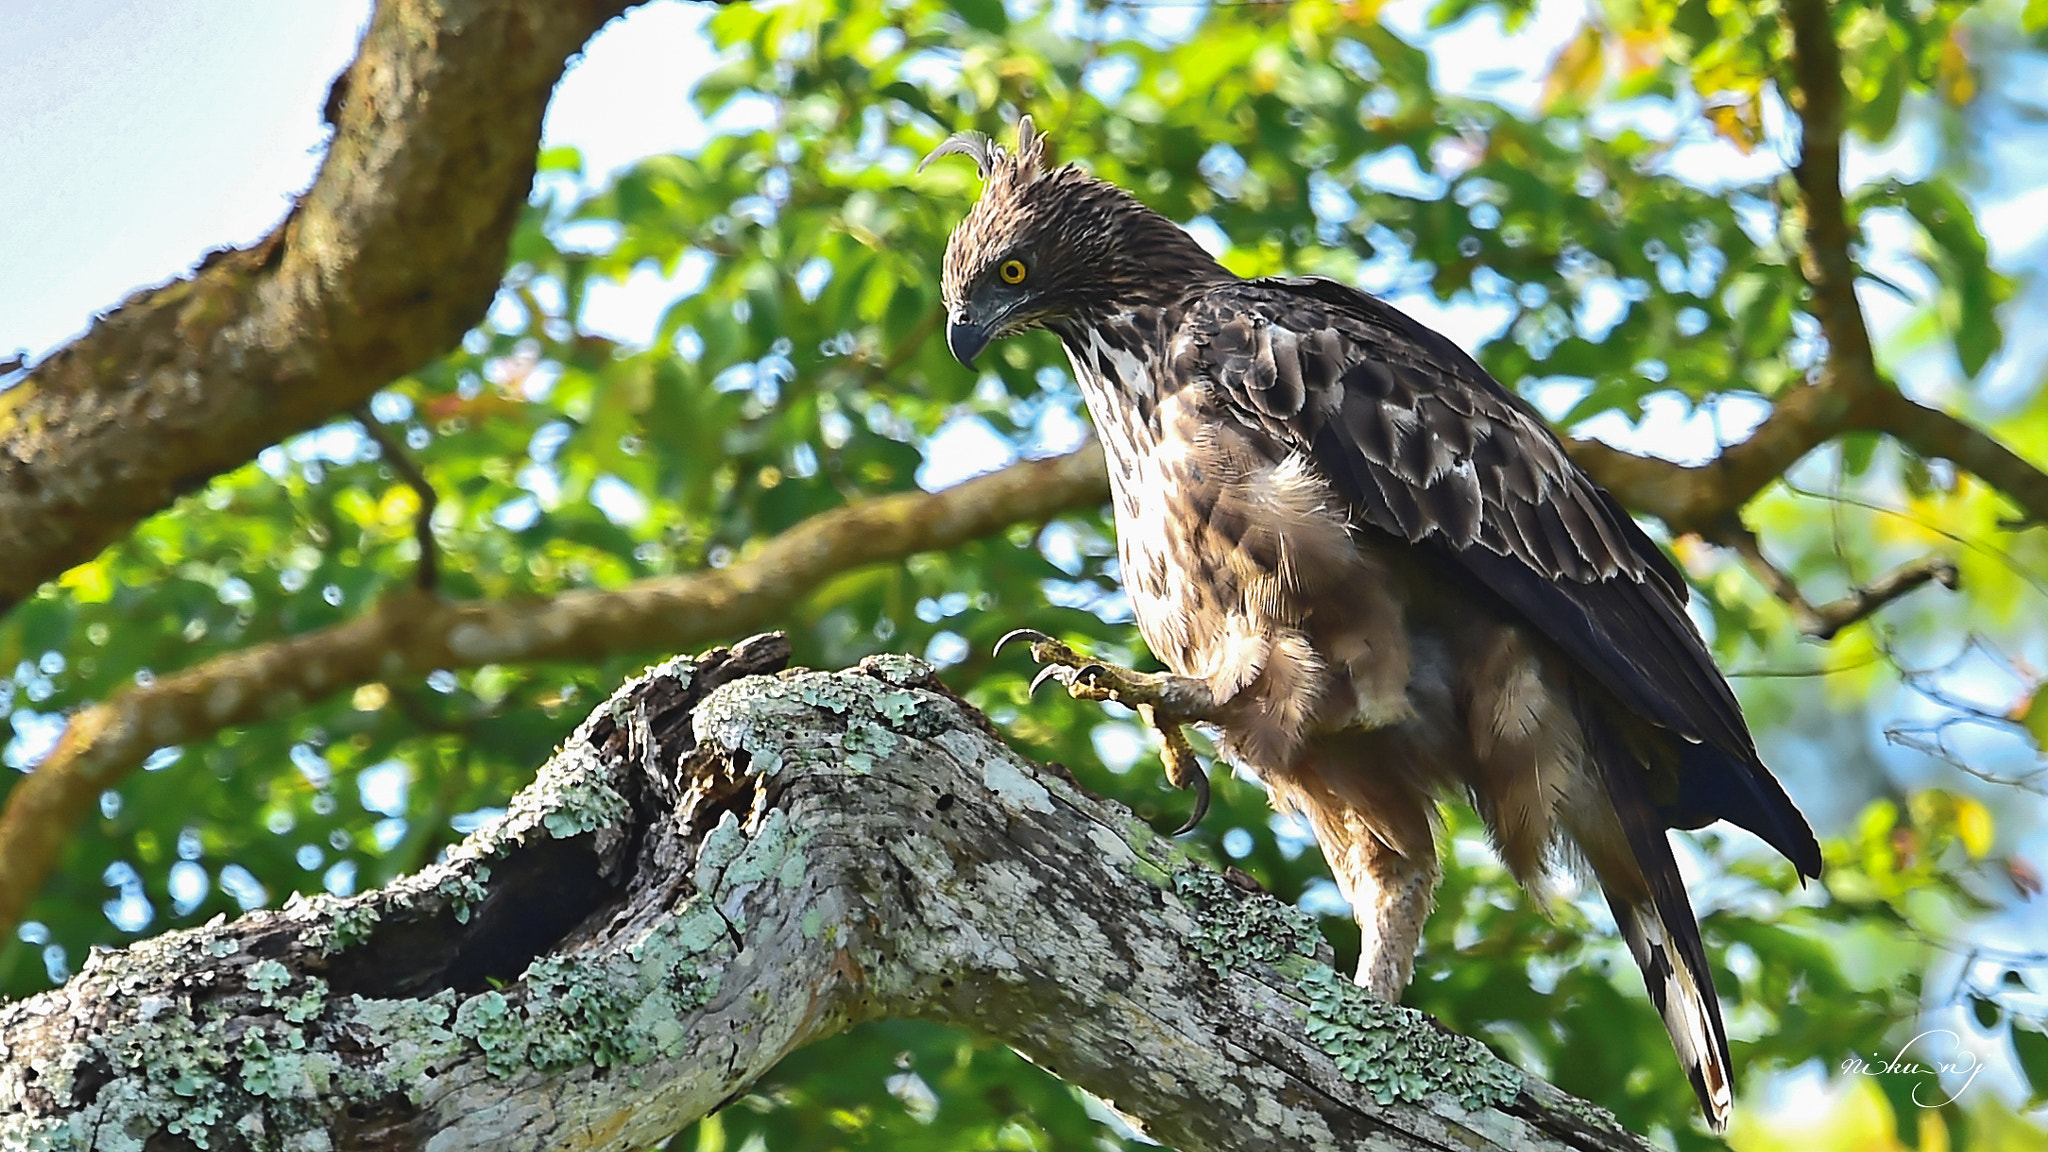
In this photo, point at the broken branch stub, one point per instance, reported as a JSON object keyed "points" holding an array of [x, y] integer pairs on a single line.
{"points": [[721, 866]]}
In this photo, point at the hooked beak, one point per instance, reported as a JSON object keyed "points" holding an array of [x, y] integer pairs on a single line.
{"points": [[966, 340]]}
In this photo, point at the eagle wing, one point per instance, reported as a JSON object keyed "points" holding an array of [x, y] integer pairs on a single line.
{"points": [[1425, 446]]}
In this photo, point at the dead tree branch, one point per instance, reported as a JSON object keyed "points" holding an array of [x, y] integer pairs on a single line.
{"points": [[388, 258], [720, 868]]}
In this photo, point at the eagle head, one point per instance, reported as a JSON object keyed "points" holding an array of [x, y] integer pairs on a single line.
{"points": [[1050, 247]]}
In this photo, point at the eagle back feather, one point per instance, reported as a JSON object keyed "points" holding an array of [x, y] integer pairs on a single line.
{"points": [[1427, 447]]}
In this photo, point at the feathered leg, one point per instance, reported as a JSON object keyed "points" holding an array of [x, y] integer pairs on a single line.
{"points": [[1375, 823], [1391, 896]]}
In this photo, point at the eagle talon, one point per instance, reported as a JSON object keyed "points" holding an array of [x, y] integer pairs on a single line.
{"points": [[1201, 789], [1032, 635], [1086, 679], [1049, 672], [1183, 771]]}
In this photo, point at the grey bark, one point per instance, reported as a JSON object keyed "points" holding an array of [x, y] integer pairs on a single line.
{"points": [[721, 866]]}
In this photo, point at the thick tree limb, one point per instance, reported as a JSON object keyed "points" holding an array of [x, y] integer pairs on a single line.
{"points": [[1827, 261], [411, 634], [1852, 394], [718, 869], [388, 258], [1698, 497]]}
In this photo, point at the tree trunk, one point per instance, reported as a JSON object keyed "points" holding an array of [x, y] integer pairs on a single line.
{"points": [[721, 866]]}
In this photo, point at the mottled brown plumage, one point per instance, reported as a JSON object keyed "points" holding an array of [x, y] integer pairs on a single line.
{"points": [[1377, 574]]}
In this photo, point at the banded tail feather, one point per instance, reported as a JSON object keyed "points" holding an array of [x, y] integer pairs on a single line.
{"points": [[1650, 907], [1673, 964]]}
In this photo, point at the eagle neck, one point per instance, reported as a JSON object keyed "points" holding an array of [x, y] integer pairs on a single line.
{"points": [[1120, 380]]}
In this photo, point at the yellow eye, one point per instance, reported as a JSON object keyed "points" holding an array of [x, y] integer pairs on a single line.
{"points": [[1012, 271]]}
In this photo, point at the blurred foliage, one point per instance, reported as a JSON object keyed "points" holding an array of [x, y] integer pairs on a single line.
{"points": [[1619, 228]]}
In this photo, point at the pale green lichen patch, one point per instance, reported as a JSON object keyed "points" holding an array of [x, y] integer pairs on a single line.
{"points": [[613, 1010], [775, 720], [898, 707], [570, 796], [681, 669], [721, 846], [867, 741], [334, 924], [267, 977], [763, 853], [898, 669], [774, 850], [832, 693], [351, 925], [464, 889], [412, 1035], [1394, 1053], [187, 1070], [1234, 928]]}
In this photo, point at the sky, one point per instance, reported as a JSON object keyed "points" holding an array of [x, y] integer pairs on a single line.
{"points": [[157, 132]]}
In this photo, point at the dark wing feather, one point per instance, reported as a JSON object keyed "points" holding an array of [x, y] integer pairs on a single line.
{"points": [[1429, 448]]}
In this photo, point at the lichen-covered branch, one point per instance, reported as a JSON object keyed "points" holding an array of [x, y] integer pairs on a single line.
{"points": [[387, 259], [410, 634], [724, 865]]}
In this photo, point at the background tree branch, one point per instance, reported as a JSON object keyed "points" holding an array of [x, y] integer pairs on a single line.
{"points": [[410, 634], [719, 868], [387, 259], [1852, 394]]}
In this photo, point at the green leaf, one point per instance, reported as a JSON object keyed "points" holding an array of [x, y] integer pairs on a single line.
{"points": [[2030, 1046], [987, 15]]}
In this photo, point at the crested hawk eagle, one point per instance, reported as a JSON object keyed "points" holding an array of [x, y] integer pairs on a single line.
{"points": [[1376, 573]]}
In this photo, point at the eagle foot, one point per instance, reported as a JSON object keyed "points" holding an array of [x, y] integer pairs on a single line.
{"points": [[1164, 701]]}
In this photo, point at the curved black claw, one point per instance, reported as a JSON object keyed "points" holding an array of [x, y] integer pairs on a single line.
{"points": [[1030, 635], [1049, 672], [1199, 785]]}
